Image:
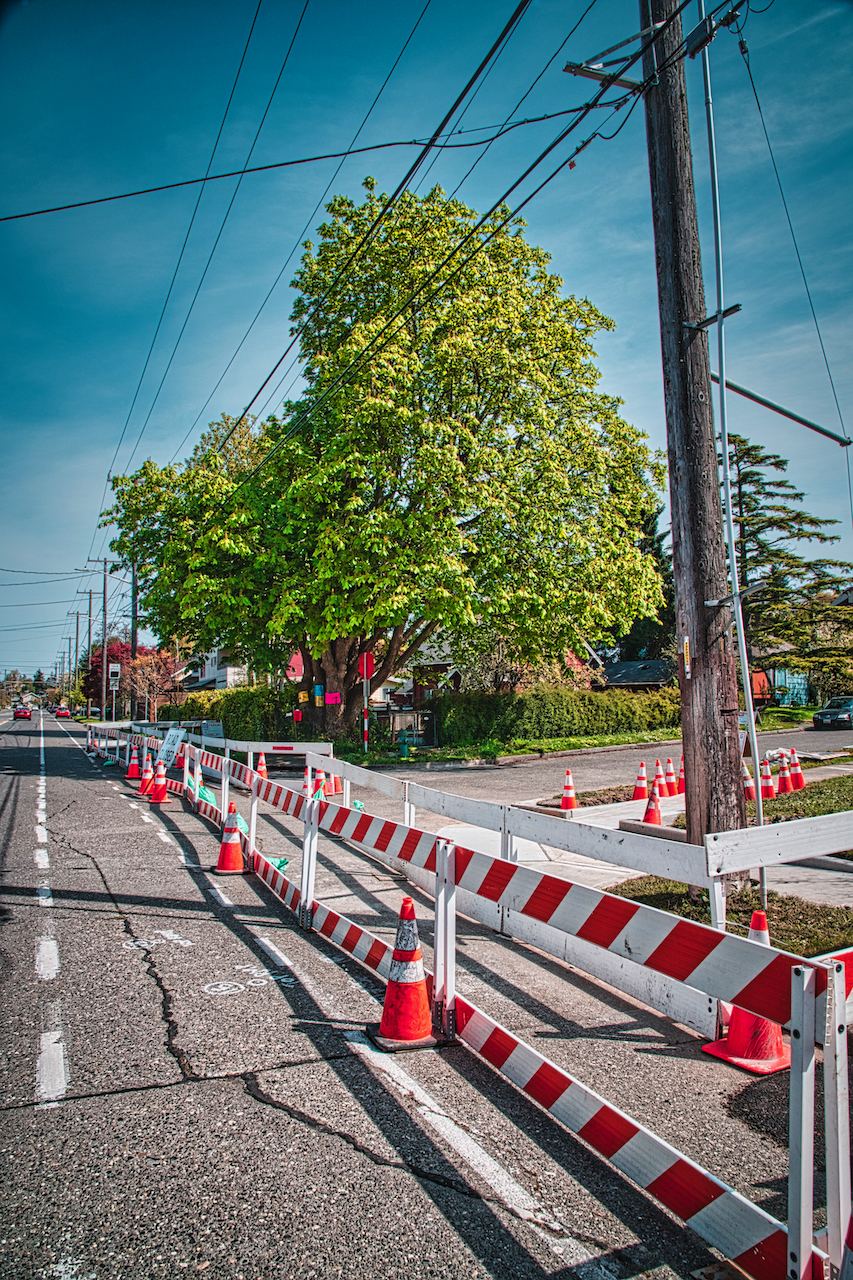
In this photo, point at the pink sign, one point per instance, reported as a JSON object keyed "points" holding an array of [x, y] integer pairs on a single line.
{"points": [[333, 699]]}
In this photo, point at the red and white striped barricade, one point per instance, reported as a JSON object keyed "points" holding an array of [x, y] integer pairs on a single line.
{"points": [[758, 1243]]}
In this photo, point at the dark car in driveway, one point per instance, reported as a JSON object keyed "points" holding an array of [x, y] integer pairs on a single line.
{"points": [[837, 714]]}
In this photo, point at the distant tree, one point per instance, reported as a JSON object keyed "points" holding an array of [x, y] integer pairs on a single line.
{"points": [[39, 681], [795, 605], [117, 651]]}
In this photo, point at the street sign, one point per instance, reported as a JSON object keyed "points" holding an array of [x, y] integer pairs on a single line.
{"points": [[366, 666], [115, 670], [169, 749], [114, 684]]}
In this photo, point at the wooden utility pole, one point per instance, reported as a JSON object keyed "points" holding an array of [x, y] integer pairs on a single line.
{"points": [[707, 674], [104, 652]]}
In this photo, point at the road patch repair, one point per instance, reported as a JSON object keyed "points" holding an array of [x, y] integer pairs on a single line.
{"points": [[768, 984]]}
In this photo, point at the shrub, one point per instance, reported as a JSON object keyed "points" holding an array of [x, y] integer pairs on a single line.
{"points": [[550, 712], [247, 715]]}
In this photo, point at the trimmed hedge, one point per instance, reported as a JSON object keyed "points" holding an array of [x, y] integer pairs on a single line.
{"points": [[463, 719], [247, 715]]}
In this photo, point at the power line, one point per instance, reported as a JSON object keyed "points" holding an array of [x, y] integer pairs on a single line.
{"points": [[215, 245], [744, 50], [178, 263], [308, 222], [569, 161], [389, 203]]}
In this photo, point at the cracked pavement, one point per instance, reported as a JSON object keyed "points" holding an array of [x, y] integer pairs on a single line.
{"points": [[185, 1085]]}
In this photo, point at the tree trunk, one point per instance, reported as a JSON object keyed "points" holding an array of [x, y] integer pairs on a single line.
{"points": [[709, 705]]}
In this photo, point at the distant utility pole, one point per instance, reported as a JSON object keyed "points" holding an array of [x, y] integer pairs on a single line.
{"points": [[707, 674], [134, 632], [76, 645], [104, 651], [89, 698]]}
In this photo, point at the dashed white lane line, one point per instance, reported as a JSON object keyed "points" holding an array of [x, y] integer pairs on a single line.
{"points": [[511, 1193], [45, 897], [51, 1068], [166, 839], [145, 818], [219, 896], [42, 859], [41, 833], [47, 959], [130, 804]]}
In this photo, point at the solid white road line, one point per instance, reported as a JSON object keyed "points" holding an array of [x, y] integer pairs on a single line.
{"points": [[510, 1192], [47, 959], [51, 1068]]}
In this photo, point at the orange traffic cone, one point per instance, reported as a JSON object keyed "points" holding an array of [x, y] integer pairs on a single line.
{"points": [[319, 784], [159, 793], [681, 784], [261, 768], [179, 760], [147, 780], [652, 813], [339, 786], [753, 1043], [671, 784], [230, 853], [305, 781], [406, 1018], [133, 767], [641, 786], [785, 786], [660, 779], [569, 800], [748, 784], [768, 791], [797, 779]]}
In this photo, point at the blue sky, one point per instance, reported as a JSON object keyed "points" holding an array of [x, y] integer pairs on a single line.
{"points": [[98, 98]]}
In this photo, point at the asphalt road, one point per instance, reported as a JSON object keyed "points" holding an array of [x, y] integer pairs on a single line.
{"points": [[591, 770], [185, 1086]]}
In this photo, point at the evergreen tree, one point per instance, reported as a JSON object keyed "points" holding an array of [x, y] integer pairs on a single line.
{"points": [[795, 605], [652, 637]]}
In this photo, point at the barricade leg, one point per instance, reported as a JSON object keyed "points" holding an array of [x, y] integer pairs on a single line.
{"points": [[836, 1116], [309, 863], [127, 753], [346, 796], [197, 772], [186, 779], [226, 781], [508, 853], [717, 902], [408, 809], [801, 1125], [253, 821], [444, 982]]}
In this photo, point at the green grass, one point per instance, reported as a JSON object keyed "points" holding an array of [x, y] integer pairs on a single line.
{"points": [[490, 750], [785, 717], [805, 928]]}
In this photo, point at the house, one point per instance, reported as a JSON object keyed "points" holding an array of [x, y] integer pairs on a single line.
{"points": [[214, 670]]}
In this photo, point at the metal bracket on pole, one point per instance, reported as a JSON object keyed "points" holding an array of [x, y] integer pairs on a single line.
{"points": [[836, 1117], [801, 1124], [309, 863], [444, 986]]}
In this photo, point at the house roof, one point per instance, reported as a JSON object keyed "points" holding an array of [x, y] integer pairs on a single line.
{"points": [[655, 672]]}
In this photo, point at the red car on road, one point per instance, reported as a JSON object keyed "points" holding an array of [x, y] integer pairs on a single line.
{"points": [[23, 713], [63, 711]]}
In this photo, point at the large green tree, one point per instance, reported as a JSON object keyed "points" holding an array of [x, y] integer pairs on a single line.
{"points": [[794, 606], [465, 472]]}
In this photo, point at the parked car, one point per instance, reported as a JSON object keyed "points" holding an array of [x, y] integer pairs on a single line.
{"points": [[837, 714], [23, 713], [63, 711]]}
